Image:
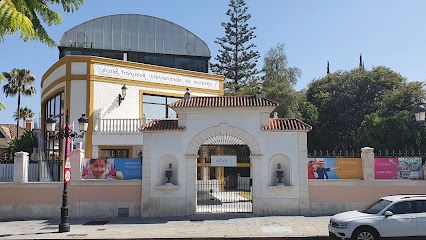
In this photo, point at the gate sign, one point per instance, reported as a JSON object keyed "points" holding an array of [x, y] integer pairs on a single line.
{"points": [[223, 161]]}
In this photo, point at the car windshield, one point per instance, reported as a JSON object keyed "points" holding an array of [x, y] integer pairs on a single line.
{"points": [[376, 207]]}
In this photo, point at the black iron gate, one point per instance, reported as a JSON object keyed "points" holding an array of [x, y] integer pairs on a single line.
{"points": [[231, 194]]}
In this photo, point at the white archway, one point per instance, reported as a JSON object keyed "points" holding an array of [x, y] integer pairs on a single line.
{"points": [[219, 130], [199, 139]]}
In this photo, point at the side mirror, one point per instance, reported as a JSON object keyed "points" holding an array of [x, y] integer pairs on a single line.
{"points": [[388, 214]]}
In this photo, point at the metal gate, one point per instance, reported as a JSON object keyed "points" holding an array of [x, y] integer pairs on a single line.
{"points": [[226, 194]]}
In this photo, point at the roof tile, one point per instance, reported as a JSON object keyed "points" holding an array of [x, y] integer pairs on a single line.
{"points": [[162, 125], [225, 101], [287, 124]]}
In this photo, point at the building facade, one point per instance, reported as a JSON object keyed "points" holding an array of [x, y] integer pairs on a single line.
{"points": [[155, 60]]}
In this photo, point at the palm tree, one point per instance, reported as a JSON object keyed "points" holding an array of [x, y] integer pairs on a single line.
{"points": [[24, 114], [19, 81], [27, 16], [2, 106]]}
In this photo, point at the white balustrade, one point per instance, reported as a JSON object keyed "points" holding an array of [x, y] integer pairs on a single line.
{"points": [[120, 125]]}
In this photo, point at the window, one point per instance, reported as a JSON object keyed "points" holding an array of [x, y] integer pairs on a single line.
{"points": [[402, 207], [119, 153], [113, 41], [376, 207], [54, 106], [155, 107], [421, 206]]}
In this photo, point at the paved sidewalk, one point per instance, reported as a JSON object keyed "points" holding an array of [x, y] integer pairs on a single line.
{"points": [[197, 227]]}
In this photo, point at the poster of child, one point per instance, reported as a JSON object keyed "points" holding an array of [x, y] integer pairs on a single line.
{"points": [[322, 168], [312, 169], [100, 168]]}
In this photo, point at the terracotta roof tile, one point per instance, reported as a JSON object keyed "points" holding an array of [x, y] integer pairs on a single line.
{"points": [[162, 125], [225, 101], [286, 124], [7, 133]]}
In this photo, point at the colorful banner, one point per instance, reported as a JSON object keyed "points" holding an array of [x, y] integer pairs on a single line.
{"points": [[112, 168], [334, 168], [398, 168]]}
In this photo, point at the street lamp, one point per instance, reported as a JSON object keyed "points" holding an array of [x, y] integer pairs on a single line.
{"points": [[420, 112], [66, 133], [122, 95]]}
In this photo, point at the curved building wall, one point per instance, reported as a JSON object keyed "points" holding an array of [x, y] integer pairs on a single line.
{"points": [[137, 33]]}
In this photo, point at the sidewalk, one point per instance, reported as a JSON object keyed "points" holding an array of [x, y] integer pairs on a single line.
{"points": [[197, 227]]}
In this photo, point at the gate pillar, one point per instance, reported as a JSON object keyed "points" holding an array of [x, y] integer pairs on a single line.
{"points": [[191, 184], [256, 178]]}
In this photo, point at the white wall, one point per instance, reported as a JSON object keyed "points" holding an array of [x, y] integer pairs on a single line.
{"points": [[57, 73], [266, 199], [78, 104], [106, 100]]}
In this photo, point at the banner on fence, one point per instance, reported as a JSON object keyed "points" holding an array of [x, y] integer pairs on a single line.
{"points": [[398, 168], [112, 168], [334, 168]]}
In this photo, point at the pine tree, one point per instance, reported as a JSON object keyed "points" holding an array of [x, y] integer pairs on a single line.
{"points": [[237, 56]]}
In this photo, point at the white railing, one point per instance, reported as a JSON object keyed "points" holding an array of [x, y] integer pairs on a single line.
{"points": [[119, 125]]}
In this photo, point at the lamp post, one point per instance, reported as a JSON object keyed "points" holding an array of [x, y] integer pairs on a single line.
{"points": [[420, 112], [66, 133]]}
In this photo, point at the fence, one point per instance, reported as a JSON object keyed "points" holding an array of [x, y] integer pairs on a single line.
{"points": [[6, 168], [43, 168], [40, 168]]}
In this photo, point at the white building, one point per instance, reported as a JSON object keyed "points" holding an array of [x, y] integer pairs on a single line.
{"points": [[224, 122]]}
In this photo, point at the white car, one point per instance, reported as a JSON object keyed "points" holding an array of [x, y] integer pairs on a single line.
{"points": [[391, 216]]}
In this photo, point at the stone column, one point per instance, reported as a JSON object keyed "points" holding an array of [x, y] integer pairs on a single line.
{"points": [[367, 156], [77, 156], [20, 167], [256, 176], [191, 184], [302, 171]]}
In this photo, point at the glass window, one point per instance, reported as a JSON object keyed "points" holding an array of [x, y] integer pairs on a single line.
{"points": [[156, 107], [376, 207], [54, 107], [154, 111], [402, 207], [183, 63], [154, 99], [421, 206]]}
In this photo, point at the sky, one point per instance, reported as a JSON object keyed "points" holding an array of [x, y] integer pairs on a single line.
{"points": [[386, 32]]}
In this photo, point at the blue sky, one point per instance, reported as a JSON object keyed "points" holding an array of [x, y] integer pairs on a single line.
{"points": [[387, 32]]}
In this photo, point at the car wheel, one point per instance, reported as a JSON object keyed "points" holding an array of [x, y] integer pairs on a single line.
{"points": [[365, 234]]}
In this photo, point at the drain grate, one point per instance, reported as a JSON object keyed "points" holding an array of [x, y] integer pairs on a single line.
{"points": [[96, 223]]}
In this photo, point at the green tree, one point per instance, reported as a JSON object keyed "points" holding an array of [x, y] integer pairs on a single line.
{"points": [[278, 80], [396, 132], [19, 82], [27, 17], [237, 56], [25, 143], [344, 98], [24, 114]]}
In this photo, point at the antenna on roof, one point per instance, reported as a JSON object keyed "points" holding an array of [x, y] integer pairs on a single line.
{"points": [[187, 95]]}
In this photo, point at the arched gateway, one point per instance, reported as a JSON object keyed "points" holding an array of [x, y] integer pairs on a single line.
{"points": [[222, 155]]}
